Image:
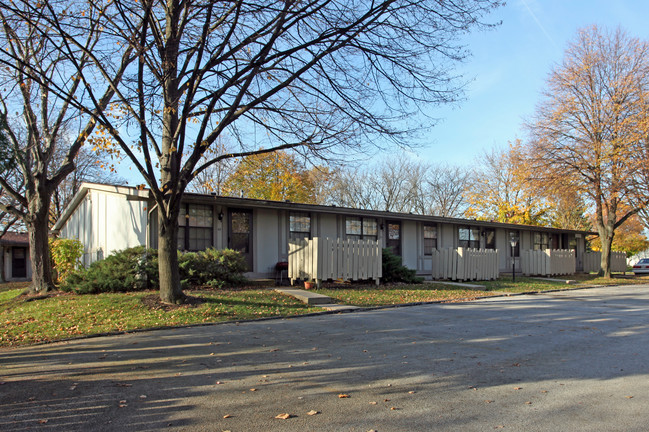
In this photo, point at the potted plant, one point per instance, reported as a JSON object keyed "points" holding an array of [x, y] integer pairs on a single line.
{"points": [[308, 284]]}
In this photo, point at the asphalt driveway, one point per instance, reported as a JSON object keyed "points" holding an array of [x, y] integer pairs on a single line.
{"points": [[575, 360]]}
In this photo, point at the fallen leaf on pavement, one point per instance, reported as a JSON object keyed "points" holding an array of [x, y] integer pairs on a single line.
{"points": [[372, 403], [518, 388], [488, 401], [283, 416], [253, 389], [313, 412], [43, 421], [629, 397], [528, 403], [227, 416], [343, 396]]}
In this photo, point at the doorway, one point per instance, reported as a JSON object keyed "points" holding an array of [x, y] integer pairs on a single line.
{"points": [[393, 241], [19, 262], [240, 234]]}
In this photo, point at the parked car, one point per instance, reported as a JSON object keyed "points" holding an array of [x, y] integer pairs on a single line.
{"points": [[641, 267]]}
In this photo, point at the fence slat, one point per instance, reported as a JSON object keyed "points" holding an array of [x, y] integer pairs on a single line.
{"points": [[324, 258]]}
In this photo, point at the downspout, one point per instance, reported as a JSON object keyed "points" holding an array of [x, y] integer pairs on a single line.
{"points": [[147, 242]]}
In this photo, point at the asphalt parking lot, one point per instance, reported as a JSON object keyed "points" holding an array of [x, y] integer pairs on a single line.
{"points": [[573, 360]]}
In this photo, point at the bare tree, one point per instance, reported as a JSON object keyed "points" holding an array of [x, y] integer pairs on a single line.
{"points": [[312, 76], [90, 166], [590, 131], [213, 178], [43, 84], [442, 190]]}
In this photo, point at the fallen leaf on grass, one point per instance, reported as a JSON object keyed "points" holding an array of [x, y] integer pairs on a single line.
{"points": [[253, 389], [372, 403], [343, 396], [313, 412], [488, 401], [518, 388], [283, 416], [393, 408], [411, 392], [528, 403], [629, 397]]}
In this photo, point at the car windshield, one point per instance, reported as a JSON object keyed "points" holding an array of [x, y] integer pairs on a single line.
{"points": [[644, 261]]}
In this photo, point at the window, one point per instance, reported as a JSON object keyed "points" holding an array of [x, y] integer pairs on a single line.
{"points": [[361, 228], [514, 236], [195, 227], [489, 238], [541, 241], [469, 237], [430, 239], [299, 225]]}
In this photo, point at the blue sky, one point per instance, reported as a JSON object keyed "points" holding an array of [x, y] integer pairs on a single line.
{"points": [[509, 67]]}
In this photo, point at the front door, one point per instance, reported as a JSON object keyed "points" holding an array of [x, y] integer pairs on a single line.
{"points": [[393, 241], [19, 262], [240, 234]]}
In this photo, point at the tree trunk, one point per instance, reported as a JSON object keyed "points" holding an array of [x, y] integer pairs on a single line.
{"points": [[39, 250], [170, 289], [606, 238]]}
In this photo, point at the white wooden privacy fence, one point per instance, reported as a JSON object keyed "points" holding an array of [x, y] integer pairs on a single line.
{"points": [[593, 261], [548, 262], [465, 264], [325, 258]]}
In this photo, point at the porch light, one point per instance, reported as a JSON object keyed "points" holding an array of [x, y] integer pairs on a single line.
{"points": [[220, 215], [513, 242]]}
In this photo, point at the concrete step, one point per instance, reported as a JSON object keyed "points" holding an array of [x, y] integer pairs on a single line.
{"points": [[307, 297]]}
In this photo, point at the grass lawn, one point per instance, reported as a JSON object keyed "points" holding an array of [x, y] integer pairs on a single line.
{"points": [[60, 316], [370, 295], [64, 315]]}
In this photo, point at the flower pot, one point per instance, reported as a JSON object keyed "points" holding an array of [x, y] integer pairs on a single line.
{"points": [[308, 285]]}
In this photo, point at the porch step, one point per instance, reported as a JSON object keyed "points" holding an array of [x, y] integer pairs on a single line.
{"points": [[307, 297]]}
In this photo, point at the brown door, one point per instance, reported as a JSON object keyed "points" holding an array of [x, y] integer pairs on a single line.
{"points": [[240, 233], [393, 241]]}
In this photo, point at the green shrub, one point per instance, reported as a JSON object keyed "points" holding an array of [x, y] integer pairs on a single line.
{"points": [[394, 271], [212, 267], [136, 269], [131, 269], [66, 254]]}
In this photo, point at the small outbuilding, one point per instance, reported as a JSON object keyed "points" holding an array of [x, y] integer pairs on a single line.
{"points": [[14, 257]]}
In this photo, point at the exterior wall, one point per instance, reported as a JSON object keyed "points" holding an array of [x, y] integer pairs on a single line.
{"points": [[265, 241], [106, 222], [409, 244], [446, 236], [327, 226]]}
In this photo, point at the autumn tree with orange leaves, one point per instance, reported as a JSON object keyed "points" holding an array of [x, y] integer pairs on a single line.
{"points": [[589, 133], [276, 176], [499, 189]]}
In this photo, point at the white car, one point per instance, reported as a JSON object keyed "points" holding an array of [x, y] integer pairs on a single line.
{"points": [[641, 267]]}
